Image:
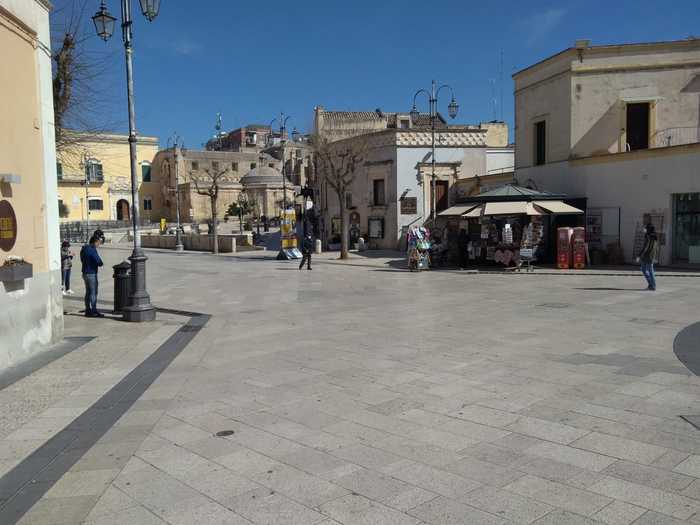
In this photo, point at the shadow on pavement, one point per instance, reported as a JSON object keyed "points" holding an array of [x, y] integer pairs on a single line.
{"points": [[686, 346], [608, 289]]}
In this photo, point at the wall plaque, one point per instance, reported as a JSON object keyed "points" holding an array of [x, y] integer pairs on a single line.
{"points": [[409, 206], [8, 226]]}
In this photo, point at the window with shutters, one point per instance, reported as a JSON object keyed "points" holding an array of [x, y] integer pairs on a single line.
{"points": [[146, 171], [378, 197]]}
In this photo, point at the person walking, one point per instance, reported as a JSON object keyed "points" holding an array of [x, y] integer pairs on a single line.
{"points": [[66, 265], [91, 261], [307, 248], [649, 256]]}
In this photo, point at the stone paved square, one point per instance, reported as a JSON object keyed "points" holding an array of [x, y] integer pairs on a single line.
{"points": [[436, 398]]}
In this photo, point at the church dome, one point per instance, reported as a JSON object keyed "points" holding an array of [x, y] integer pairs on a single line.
{"points": [[263, 175]]}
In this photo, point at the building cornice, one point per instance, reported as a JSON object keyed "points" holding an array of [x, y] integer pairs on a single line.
{"points": [[108, 138]]}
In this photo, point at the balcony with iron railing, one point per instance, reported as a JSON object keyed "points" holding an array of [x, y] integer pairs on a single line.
{"points": [[679, 136]]}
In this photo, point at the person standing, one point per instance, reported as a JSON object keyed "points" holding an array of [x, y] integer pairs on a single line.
{"points": [[307, 248], [649, 256], [66, 265], [91, 261]]}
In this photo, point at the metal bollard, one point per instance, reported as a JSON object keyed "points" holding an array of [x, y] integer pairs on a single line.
{"points": [[121, 285]]}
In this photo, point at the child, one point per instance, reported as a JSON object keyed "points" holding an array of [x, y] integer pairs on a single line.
{"points": [[66, 265]]}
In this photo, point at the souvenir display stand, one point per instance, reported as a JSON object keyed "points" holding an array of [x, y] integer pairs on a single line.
{"points": [[418, 252]]}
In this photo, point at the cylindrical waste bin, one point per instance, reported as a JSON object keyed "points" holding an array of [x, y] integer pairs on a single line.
{"points": [[121, 285]]}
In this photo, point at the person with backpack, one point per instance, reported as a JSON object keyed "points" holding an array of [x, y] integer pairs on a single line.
{"points": [[649, 256], [307, 248], [91, 261], [66, 265]]}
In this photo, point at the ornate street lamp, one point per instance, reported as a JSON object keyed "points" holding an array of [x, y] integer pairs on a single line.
{"points": [[282, 121], [452, 110], [150, 9], [104, 22], [139, 307]]}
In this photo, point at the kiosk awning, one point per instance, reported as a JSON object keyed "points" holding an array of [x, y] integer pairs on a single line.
{"points": [[511, 208], [457, 211], [557, 207]]}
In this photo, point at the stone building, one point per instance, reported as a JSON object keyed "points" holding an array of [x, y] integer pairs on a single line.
{"points": [[618, 127], [255, 174], [393, 189], [104, 162], [393, 186], [31, 307]]}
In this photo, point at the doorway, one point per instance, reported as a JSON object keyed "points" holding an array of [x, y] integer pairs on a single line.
{"points": [[122, 210], [441, 198], [638, 126]]}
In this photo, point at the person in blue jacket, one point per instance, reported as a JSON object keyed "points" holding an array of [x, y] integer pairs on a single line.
{"points": [[91, 261]]}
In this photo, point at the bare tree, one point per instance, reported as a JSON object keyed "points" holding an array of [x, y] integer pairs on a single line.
{"points": [[208, 184], [81, 76], [338, 163]]}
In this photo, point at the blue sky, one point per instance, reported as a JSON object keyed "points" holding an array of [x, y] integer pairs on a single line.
{"points": [[251, 60]]}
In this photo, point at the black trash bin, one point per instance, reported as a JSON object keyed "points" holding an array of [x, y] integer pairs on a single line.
{"points": [[121, 285]]}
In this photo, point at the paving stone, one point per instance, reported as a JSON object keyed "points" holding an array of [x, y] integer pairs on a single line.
{"points": [[415, 450], [572, 456], [620, 448], [312, 461], [59, 511], [365, 456], [247, 462], [435, 480], [359, 510], [550, 469], [497, 455], [654, 518], [82, 483], [220, 484], [483, 472], [356, 431], [653, 499], [266, 506], [649, 476], [387, 490], [548, 430], [300, 486], [486, 416], [513, 507], [690, 466], [559, 495], [563, 517], [443, 511], [619, 513], [129, 516], [670, 460]]}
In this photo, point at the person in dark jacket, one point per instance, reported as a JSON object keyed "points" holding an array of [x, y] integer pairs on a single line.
{"points": [[91, 261], [649, 255], [307, 248], [66, 265]]}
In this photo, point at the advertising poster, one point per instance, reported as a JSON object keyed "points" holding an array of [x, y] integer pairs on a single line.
{"points": [[288, 228]]}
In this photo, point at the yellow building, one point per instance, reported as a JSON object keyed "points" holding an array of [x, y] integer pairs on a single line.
{"points": [[31, 307], [94, 177]]}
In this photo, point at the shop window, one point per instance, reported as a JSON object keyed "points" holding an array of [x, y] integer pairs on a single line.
{"points": [[686, 228], [95, 205], [234, 166], [59, 171], [405, 123], [147, 203], [378, 197], [146, 172], [637, 126], [540, 143], [253, 165], [215, 166], [195, 165]]}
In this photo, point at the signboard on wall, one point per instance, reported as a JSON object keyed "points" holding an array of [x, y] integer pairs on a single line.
{"points": [[409, 206], [8, 226]]}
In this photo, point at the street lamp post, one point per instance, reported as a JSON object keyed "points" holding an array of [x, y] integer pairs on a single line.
{"points": [[282, 121], [177, 147], [139, 308], [452, 109], [89, 170]]}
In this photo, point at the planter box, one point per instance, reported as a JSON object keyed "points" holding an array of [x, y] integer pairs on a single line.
{"points": [[15, 272]]}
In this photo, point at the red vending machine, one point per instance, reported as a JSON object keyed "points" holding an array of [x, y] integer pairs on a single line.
{"points": [[564, 248], [578, 247]]}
